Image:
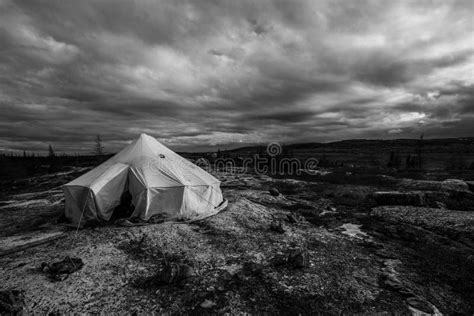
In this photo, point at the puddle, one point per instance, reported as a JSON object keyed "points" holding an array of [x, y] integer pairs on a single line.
{"points": [[353, 230]]}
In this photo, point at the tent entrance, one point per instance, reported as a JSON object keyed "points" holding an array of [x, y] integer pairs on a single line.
{"points": [[107, 190], [129, 193], [125, 207]]}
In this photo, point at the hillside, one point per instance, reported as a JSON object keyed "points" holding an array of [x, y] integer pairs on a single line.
{"points": [[319, 246]]}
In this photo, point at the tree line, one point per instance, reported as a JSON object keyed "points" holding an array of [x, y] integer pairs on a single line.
{"points": [[97, 150]]}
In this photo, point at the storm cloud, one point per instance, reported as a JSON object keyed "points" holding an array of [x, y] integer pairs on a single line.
{"points": [[198, 74]]}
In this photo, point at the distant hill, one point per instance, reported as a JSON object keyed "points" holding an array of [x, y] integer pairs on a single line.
{"points": [[370, 143], [441, 153]]}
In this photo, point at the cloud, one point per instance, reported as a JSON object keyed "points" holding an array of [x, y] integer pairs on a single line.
{"points": [[395, 131], [207, 73]]}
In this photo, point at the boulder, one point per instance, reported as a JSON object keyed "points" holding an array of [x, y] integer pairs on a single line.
{"points": [[421, 305], [454, 185], [447, 185], [399, 198], [436, 198], [411, 184], [448, 222]]}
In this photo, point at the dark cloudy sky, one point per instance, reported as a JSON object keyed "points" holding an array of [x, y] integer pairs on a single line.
{"points": [[206, 73]]}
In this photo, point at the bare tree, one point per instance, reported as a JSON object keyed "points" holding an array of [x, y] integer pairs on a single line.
{"points": [[98, 148], [51, 151], [419, 151]]}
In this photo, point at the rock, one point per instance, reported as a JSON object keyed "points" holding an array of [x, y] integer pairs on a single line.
{"points": [[274, 191], [393, 284], [279, 259], [461, 195], [298, 258], [390, 275], [399, 198], [420, 304], [292, 218], [277, 227], [173, 273], [454, 185], [406, 292], [252, 268], [186, 271], [208, 304], [59, 271], [430, 185], [454, 223], [60, 277], [44, 267], [422, 198], [440, 205], [433, 198], [232, 269], [249, 270]]}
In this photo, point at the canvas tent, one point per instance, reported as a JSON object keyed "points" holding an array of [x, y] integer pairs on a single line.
{"points": [[159, 180]]}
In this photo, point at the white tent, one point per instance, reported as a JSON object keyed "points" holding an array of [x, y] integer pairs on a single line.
{"points": [[159, 180]]}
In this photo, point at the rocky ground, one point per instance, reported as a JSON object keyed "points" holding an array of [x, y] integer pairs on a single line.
{"points": [[304, 248]]}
